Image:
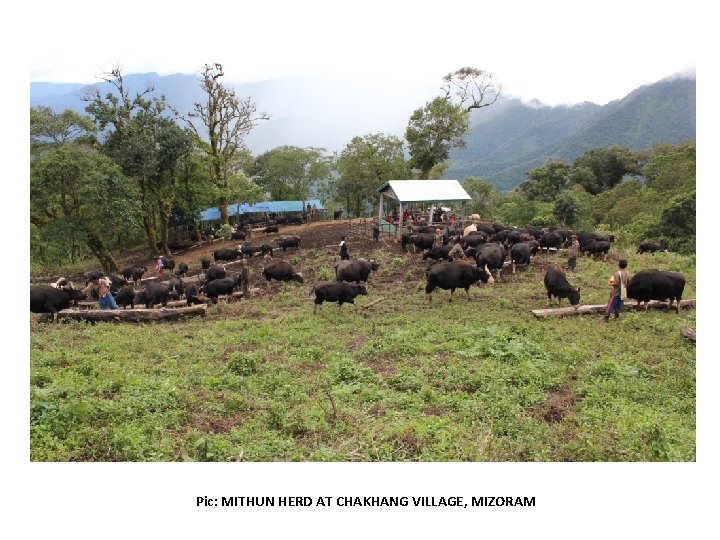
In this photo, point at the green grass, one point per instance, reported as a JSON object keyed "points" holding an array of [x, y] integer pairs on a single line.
{"points": [[405, 380]]}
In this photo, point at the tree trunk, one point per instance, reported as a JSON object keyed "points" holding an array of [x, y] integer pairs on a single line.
{"points": [[98, 248], [149, 226], [223, 212], [132, 315]]}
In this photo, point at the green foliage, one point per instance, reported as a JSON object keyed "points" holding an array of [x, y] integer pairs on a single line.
{"points": [[243, 364], [547, 182], [607, 167], [485, 198], [364, 165], [433, 131], [225, 231], [288, 172], [677, 223]]}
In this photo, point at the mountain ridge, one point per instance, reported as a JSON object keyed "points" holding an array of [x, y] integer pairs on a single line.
{"points": [[503, 143]]}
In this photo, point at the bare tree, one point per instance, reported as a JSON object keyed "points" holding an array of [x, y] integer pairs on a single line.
{"points": [[473, 88], [226, 121]]}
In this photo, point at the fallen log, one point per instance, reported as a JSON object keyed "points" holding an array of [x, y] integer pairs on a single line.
{"points": [[600, 308], [688, 333], [365, 306], [130, 315]]}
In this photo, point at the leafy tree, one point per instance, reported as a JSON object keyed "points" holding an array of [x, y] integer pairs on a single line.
{"points": [[131, 125], [364, 165], [50, 127], [608, 166], [517, 209], [226, 121], [672, 169], [566, 209], [433, 131], [677, 222], [485, 198], [75, 186], [288, 172], [545, 183]]}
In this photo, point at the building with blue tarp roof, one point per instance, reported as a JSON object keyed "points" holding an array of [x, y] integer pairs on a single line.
{"points": [[279, 207]]}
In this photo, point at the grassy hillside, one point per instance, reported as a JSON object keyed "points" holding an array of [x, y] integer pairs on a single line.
{"points": [[404, 380]]}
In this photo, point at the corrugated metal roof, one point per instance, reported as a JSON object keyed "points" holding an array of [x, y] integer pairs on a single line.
{"points": [[425, 190], [212, 214]]}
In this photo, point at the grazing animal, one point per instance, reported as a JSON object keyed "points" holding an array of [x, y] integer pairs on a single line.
{"points": [[154, 293], [281, 271], [168, 263], [356, 270], [182, 269], [454, 275], [337, 214], [650, 247], [474, 239], [89, 276], [285, 242], [217, 287], [46, 299], [192, 295], [238, 235], [247, 249], [658, 285], [550, 240], [226, 255], [470, 228], [205, 263], [176, 284], [271, 228], [336, 291], [216, 272], [519, 254], [116, 282], [557, 285], [438, 252], [596, 247], [491, 257], [126, 297], [422, 241], [134, 272]]}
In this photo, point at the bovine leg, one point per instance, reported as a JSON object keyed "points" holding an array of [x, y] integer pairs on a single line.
{"points": [[513, 265], [452, 291]]}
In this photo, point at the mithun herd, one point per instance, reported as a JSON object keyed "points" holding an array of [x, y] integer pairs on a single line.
{"points": [[461, 258]]}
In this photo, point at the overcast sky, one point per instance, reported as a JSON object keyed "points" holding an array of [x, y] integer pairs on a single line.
{"points": [[555, 51]]}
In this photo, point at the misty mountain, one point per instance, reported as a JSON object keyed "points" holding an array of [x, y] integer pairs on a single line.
{"points": [[504, 142], [501, 148]]}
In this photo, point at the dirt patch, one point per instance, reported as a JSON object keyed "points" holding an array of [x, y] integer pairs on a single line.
{"points": [[214, 424], [434, 411], [560, 404]]}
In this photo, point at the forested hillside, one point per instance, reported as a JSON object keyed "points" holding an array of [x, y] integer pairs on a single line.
{"points": [[505, 147]]}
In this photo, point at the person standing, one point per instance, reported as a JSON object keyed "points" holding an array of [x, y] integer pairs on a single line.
{"points": [[376, 231], [102, 286], [574, 252], [618, 293], [344, 255], [244, 278], [457, 253], [159, 267]]}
